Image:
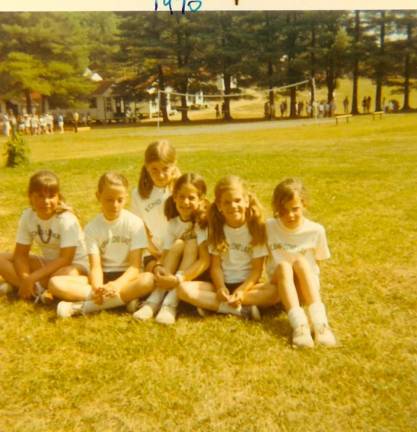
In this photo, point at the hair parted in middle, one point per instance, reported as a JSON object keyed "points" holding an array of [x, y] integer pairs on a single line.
{"points": [[254, 215], [112, 178], [198, 182], [156, 151], [285, 192]]}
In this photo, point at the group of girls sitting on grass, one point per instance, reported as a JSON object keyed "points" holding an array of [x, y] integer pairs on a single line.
{"points": [[173, 245]]}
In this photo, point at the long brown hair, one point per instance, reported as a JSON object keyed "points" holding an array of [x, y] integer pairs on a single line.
{"points": [[198, 182], [157, 151], [47, 181], [254, 215]]}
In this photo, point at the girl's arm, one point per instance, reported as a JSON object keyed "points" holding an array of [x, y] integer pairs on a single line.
{"points": [[200, 265], [95, 276], [251, 280], [153, 249], [167, 280], [217, 278]]}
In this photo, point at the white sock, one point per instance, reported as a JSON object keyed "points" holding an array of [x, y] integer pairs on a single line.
{"points": [[297, 317], [171, 299], [89, 306], [317, 313], [225, 308], [156, 296]]}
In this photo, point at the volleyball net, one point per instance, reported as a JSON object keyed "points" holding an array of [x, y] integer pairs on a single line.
{"points": [[174, 101]]}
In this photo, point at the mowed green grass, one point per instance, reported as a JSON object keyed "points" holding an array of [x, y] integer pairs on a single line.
{"points": [[109, 373]]}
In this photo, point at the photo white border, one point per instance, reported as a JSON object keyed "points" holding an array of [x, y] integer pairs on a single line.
{"points": [[206, 5]]}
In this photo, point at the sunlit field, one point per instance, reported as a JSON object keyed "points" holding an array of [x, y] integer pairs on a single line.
{"points": [[107, 372]]}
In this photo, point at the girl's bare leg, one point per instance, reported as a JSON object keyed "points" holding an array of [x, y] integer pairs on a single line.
{"points": [[284, 276], [306, 281], [7, 270], [199, 294], [140, 287], [263, 294], [70, 288], [168, 311]]}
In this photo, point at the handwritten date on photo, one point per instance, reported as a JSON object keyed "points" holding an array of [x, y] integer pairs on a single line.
{"points": [[187, 5]]}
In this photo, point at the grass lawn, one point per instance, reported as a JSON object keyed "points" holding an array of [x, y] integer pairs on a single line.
{"points": [[108, 373]]}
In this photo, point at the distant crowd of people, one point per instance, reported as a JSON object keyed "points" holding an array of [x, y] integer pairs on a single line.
{"points": [[40, 124], [31, 124]]}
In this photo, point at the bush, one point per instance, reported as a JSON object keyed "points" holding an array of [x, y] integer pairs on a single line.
{"points": [[17, 151]]}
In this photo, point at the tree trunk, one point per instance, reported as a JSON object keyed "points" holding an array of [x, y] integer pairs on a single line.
{"points": [[271, 94], [379, 71], [293, 101], [226, 103], [355, 77], [44, 104], [163, 101], [184, 107], [406, 103], [29, 104], [330, 82], [313, 66]]}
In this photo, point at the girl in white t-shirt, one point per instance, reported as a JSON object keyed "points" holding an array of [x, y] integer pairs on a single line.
{"points": [[157, 177], [185, 253], [55, 230], [115, 240], [237, 243], [296, 244]]}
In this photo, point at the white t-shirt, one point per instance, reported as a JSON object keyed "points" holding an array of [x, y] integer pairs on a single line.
{"points": [[308, 239], [60, 231], [178, 229], [237, 262], [151, 211], [113, 240]]}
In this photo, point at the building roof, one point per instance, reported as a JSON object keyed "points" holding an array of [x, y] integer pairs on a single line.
{"points": [[102, 87]]}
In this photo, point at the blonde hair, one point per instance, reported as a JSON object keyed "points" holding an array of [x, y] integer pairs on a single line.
{"points": [[47, 181], [254, 215], [285, 192], [198, 182], [112, 178], [157, 151]]}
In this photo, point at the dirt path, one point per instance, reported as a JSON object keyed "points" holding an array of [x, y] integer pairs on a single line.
{"points": [[227, 127]]}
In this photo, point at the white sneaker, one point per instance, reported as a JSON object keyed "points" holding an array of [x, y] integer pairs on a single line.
{"points": [[146, 312], [166, 315], [301, 337], [323, 335], [6, 288], [133, 306], [64, 309]]}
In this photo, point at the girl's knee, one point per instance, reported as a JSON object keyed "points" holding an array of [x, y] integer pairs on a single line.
{"points": [[178, 246], [186, 292], [301, 264], [283, 270], [147, 279]]}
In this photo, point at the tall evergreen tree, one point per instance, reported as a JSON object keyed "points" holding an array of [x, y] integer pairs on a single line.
{"points": [[44, 53]]}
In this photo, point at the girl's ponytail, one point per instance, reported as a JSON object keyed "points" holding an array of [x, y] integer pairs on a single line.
{"points": [[170, 209], [255, 220], [216, 237], [145, 183]]}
